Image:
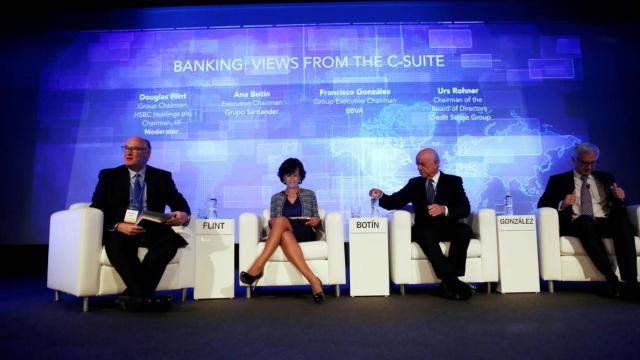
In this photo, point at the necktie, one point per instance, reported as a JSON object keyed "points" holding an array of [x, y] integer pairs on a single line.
{"points": [[431, 192], [137, 193], [586, 206]]}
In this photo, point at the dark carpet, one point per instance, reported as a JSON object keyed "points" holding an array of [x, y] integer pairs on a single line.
{"points": [[285, 323]]}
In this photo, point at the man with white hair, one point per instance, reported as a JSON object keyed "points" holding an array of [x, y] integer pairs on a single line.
{"points": [[591, 207], [439, 202]]}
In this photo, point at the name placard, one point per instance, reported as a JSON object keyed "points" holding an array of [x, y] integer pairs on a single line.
{"points": [[516, 223], [368, 225], [215, 226]]}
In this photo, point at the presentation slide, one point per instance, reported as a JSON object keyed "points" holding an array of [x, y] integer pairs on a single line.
{"points": [[223, 107]]}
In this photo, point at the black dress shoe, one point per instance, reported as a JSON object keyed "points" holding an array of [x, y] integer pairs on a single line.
{"points": [[630, 291], [465, 290], [131, 303], [449, 290], [158, 303], [612, 288]]}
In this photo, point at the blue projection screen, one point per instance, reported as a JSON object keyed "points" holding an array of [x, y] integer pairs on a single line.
{"points": [[224, 107]]}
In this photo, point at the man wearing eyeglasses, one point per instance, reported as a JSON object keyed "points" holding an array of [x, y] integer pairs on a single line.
{"points": [[591, 207], [124, 192]]}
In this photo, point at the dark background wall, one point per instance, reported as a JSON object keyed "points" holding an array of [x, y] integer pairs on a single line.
{"points": [[609, 34]]}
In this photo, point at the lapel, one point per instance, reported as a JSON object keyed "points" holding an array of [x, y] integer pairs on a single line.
{"points": [[440, 188], [123, 186], [569, 182], [151, 186]]}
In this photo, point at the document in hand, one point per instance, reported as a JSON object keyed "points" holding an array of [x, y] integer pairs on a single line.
{"points": [[151, 219]]}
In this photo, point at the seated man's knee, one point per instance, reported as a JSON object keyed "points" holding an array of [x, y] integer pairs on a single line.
{"points": [[585, 221], [465, 231]]}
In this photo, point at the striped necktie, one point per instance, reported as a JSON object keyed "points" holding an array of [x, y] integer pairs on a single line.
{"points": [[431, 192]]}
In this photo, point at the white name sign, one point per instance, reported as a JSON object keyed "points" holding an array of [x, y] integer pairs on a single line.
{"points": [[516, 223], [368, 225], [219, 227]]}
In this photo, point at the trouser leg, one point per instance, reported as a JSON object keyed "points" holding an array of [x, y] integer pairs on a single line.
{"points": [[584, 227], [624, 245], [161, 251], [429, 240], [460, 236], [122, 251]]}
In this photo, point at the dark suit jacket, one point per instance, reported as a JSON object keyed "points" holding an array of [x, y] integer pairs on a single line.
{"points": [[561, 185], [112, 194], [449, 192]]}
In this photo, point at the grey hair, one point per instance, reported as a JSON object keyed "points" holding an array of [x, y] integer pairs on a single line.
{"points": [[435, 155], [586, 148]]}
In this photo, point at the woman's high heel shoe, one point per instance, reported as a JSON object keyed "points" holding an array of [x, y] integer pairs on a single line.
{"points": [[319, 297], [251, 280]]}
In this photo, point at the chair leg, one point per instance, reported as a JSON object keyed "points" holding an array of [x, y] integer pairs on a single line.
{"points": [[550, 284], [56, 295], [248, 292], [184, 295], [85, 304], [488, 287], [337, 290], [402, 289]]}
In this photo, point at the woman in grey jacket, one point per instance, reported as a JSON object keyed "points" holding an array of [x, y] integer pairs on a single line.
{"points": [[294, 219]]}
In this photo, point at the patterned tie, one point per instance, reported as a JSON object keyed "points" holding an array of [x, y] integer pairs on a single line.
{"points": [[431, 192], [586, 206], [137, 193]]}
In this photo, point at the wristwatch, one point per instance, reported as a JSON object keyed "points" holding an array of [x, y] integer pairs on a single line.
{"points": [[186, 223]]}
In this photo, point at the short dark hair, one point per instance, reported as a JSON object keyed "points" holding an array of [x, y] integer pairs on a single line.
{"points": [[289, 166]]}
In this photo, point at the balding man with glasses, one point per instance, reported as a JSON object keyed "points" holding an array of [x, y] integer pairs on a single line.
{"points": [[122, 194], [591, 207]]}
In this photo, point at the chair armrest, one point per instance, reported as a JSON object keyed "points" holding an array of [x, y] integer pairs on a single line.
{"points": [[187, 266], [485, 221], [249, 230], [634, 216], [334, 232], [75, 244], [400, 246], [549, 243]]}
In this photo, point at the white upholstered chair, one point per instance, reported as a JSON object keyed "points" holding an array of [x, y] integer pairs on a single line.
{"points": [[78, 264], [325, 255], [562, 258], [409, 264]]}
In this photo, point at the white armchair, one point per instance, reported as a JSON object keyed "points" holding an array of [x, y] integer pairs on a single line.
{"points": [[409, 264], [78, 264], [562, 258], [325, 256]]}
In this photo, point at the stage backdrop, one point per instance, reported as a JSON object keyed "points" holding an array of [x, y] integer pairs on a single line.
{"points": [[224, 107]]}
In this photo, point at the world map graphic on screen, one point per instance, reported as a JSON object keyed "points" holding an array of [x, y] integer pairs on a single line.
{"points": [[224, 107]]}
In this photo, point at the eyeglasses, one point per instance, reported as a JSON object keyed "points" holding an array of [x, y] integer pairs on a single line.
{"points": [[585, 163], [292, 175], [132, 148]]}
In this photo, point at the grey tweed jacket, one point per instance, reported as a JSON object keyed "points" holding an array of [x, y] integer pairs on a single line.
{"points": [[307, 198]]}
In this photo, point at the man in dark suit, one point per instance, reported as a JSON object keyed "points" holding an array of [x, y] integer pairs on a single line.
{"points": [[591, 207], [124, 192], [439, 201]]}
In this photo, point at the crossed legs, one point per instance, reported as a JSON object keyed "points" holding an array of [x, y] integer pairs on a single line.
{"points": [[281, 234]]}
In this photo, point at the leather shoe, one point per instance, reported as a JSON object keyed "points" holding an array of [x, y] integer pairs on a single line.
{"points": [[449, 290], [465, 290], [630, 291], [612, 288], [131, 303], [158, 303]]}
